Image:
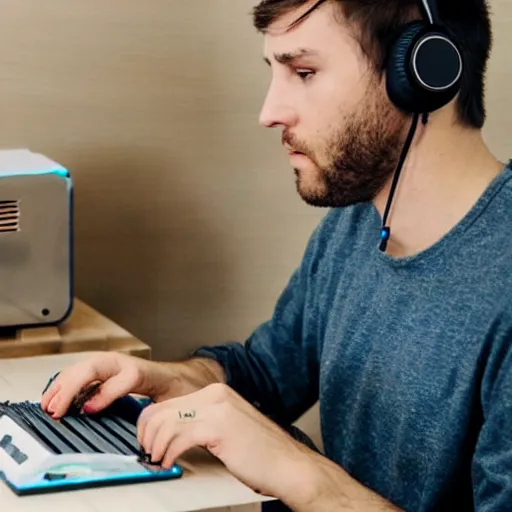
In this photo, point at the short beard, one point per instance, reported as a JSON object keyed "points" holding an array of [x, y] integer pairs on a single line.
{"points": [[363, 156]]}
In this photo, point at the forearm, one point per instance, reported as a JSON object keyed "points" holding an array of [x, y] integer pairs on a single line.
{"points": [[259, 370], [199, 372], [170, 379], [323, 486]]}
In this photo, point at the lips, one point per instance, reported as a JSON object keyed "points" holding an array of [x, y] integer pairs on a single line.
{"points": [[291, 151]]}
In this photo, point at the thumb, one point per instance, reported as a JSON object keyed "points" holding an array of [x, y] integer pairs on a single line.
{"points": [[108, 392]]}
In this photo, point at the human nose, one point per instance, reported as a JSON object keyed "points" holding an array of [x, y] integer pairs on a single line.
{"points": [[276, 111]]}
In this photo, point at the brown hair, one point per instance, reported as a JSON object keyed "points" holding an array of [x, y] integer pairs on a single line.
{"points": [[376, 22]]}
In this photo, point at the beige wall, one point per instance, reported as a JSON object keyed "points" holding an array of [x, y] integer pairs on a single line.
{"points": [[187, 220]]}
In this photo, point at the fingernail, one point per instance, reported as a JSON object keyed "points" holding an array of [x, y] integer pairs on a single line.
{"points": [[88, 408]]}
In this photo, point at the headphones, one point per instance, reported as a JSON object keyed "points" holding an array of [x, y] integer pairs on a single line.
{"points": [[423, 74], [424, 65]]}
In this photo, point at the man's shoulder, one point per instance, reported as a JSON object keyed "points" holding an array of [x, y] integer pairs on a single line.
{"points": [[495, 222], [499, 192]]}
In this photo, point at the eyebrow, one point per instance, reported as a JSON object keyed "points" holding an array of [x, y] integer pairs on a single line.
{"points": [[291, 57]]}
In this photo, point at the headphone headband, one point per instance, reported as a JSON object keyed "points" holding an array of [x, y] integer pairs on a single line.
{"points": [[430, 10]]}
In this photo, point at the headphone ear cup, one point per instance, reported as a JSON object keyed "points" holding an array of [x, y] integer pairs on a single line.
{"points": [[402, 91], [419, 56]]}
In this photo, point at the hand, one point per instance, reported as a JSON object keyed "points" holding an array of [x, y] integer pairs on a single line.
{"points": [[254, 449], [119, 374]]}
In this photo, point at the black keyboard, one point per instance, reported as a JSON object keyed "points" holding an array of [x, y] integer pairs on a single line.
{"points": [[101, 433]]}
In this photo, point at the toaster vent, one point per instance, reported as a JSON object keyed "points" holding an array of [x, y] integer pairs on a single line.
{"points": [[9, 216]]}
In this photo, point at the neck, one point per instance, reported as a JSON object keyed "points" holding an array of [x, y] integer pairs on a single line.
{"points": [[447, 169]]}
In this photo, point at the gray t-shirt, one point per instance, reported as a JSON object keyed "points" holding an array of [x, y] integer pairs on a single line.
{"points": [[410, 358]]}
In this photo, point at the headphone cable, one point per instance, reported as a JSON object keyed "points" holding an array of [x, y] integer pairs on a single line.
{"points": [[385, 232]]}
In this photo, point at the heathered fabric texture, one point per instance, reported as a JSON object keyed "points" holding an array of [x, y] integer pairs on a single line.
{"points": [[410, 358]]}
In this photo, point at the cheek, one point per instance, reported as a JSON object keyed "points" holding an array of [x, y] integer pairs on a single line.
{"points": [[326, 110], [329, 105], [322, 107], [331, 130]]}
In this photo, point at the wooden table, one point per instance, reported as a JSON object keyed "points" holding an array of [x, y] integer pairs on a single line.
{"points": [[205, 485], [86, 329]]}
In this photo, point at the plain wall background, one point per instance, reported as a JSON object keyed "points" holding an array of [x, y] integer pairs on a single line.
{"points": [[188, 224]]}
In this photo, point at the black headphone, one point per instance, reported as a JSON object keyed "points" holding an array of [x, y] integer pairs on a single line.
{"points": [[423, 72], [424, 65]]}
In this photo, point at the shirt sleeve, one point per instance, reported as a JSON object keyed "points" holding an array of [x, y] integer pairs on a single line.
{"points": [[492, 462], [277, 367]]}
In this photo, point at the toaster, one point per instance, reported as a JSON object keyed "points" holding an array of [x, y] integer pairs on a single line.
{"points": [[36, 237]]}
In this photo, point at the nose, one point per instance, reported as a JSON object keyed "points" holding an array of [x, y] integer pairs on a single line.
{"points": [[276, 109]]}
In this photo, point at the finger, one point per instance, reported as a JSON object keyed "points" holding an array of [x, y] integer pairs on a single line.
{"points": [[112, 389], [144, 418], [177, 430], [163, 437], [65, 388], [181, 443], [73, 379], [50, 391], [150, 430]]}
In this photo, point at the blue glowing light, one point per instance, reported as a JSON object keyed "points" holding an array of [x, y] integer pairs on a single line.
{"points": [[63, 173]]}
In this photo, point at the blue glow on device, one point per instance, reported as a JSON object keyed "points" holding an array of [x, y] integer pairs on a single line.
{"points": [[41, 455]]}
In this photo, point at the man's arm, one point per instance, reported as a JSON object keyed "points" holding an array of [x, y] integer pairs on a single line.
{"points": [[327, 487], [320, 485], [277, 368], [171, 379], [255, 450]]}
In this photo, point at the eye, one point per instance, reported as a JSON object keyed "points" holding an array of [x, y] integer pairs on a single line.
{"points": [[304, 74]]}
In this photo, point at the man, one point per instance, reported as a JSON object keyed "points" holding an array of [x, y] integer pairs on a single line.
{"points": [[408, 348]]}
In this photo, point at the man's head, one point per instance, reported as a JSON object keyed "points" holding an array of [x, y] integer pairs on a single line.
{"points": [[328, 87]]}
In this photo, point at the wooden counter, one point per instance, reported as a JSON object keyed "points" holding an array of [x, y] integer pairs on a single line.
{"points": [[205, 485], [86, 329]]}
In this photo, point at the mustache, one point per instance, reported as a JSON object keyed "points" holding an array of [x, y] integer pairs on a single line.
{"points": [[290, 140]]}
